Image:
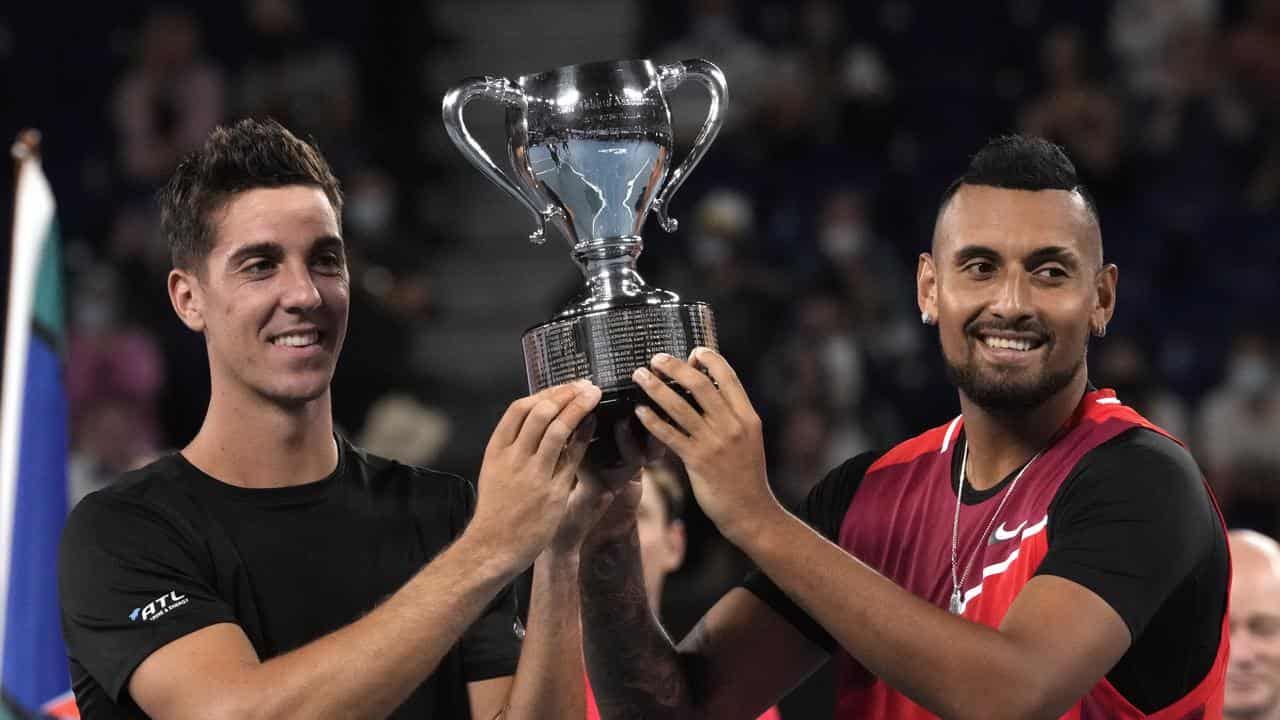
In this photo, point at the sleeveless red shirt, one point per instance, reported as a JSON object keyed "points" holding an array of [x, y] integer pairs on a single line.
{"points": [[911, 545]]}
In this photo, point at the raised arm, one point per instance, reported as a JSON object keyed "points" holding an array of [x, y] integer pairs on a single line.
{"points": [[1057, 640], [741, 658], [368, 668]]}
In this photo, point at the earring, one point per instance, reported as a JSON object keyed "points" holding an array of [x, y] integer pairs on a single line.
{"points": [[926, 318], [1100, 331]]}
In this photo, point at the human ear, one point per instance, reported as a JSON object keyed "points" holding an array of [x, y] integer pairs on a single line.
{"points": [[186, 296]]}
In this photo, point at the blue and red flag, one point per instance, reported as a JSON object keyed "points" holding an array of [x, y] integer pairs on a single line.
{"points": [[33, 455]]}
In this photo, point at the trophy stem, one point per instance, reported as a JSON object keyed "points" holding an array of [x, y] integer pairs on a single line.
{"points": [[610, 269], [596, 255]]}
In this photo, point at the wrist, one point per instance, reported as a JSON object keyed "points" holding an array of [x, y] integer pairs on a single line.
{"points": [[560, 558], [603, 539], [491, 552], [749, 526]]}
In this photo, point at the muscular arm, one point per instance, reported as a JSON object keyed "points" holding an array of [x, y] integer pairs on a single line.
{"points": [[548, 680], [369, 667], [741, 658], [1056, 641], [363, 670]]}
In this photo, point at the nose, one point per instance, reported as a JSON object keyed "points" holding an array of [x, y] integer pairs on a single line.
{"points": [[1242, 648], [300, 293], [1013, 295]]}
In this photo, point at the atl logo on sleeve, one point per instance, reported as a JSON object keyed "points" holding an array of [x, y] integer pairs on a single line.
{"points": [[159, 607]]}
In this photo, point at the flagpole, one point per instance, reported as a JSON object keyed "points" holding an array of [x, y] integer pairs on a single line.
{"points": [[24, 260]]}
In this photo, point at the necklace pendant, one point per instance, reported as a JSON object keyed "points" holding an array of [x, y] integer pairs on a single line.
{"points": [[955, 602]]}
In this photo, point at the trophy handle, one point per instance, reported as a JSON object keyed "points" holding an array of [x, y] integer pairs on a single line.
{"points": [[508, 93], [672, 76]]}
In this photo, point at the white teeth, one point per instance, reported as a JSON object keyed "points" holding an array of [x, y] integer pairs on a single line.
{"points": [[1005, 344], [297, 339]]}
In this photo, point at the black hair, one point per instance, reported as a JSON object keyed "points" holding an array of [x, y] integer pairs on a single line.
{"points": [[249, 154], [1021, 162]]}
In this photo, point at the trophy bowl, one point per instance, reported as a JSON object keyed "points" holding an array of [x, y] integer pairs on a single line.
{"points": [[590, 149]]}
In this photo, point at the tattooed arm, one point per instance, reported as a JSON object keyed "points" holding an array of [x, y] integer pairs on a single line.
{"points": [[740, 659]]}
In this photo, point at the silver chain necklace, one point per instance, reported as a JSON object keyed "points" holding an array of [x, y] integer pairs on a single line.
{"points": [[957, 599]]}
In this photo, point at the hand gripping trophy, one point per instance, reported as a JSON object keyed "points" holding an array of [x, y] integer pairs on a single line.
{"points": [[590, 146]]}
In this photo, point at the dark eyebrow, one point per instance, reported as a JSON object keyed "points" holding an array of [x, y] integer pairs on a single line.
{"points": [[267, 250], [970, 252], [1055, 253], [329, 242]]}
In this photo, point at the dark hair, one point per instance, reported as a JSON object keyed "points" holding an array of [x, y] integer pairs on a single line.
{"points": [[1021, 162], [250, 154]]}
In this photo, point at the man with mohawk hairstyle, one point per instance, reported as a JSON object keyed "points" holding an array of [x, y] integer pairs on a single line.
{"points": [[1047, 553]]}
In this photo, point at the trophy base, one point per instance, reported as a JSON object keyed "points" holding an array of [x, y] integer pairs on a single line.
{"points": [[619, 406], [606, 346]]}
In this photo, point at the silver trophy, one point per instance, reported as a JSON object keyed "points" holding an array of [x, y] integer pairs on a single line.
{"points": [[590, 146]]}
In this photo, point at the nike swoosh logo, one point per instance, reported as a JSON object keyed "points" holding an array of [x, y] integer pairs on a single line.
{"points": [[1000, 534]]}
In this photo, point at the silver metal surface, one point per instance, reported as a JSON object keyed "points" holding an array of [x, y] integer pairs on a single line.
{"points": [[590, 148]]}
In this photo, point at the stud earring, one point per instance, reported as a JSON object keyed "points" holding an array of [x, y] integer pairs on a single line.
{"points": [[1100, 331], [926, 318]]}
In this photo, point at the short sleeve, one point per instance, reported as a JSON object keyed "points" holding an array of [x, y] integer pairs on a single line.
{"points": [[491, 646], [130, 580], [823, 510], [1132, 523]]}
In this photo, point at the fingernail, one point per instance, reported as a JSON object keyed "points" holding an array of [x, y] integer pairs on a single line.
{"points": [[640, 375], [661, 358]]}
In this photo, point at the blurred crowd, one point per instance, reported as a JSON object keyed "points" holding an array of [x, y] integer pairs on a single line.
{"points": [[802, 225]]}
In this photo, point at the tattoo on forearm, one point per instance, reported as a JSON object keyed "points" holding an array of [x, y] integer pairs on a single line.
{"points": [[635, 671]]}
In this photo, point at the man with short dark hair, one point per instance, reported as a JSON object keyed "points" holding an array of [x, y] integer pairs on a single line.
{"points": [[1253, 673], [271, 569], [1047, 553]]}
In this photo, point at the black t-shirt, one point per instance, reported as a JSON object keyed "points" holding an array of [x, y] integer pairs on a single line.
{"points": [[169, 550], [1132, 522]]}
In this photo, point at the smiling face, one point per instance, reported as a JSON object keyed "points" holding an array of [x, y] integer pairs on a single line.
{"points": [[1017, 284], [272, 297]]}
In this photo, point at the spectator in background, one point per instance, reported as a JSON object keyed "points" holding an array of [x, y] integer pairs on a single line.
{"points": [[114, 375], [804, 452], [662, 543], [302, 82], [1194, 130], [168, 100], [746, 294], [1197, 104], [1253, 672], [863, 270], [1076, 111], [1239, 424], [1257, 66], [713, 31], [1141, 35], [1124, 367]]}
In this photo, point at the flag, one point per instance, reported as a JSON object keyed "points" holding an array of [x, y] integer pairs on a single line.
{"points": [[33, 453]]}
